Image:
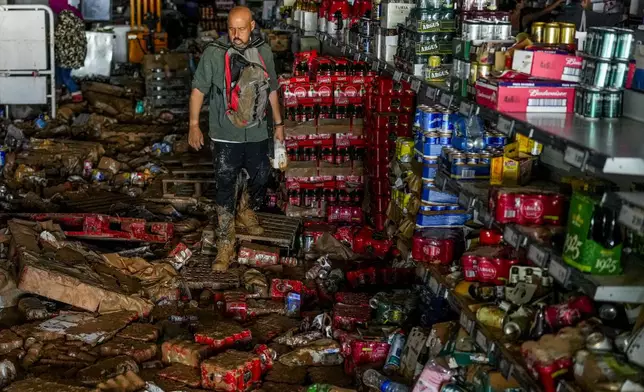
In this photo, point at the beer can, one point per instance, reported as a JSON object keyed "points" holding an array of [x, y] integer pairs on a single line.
{"points": [[397, 343], [484, 70], [425, 119], [445, 139], [458, 159], [487, 30], [473, 29], [567, 33], [434, 61], [289, 261], [624, 47], [474, 72], [431, 137], [484, 158], [579, 100], [472, 158], [430, 160], [453, 207], [551, 33], [438, 208], [611, 103], [435, 120], [605, 46], [618, 74], [592, 103], [491, 316], [418, 115], [601, 74], [537, 31], [503, 30], [589, 43], [447, 125]]}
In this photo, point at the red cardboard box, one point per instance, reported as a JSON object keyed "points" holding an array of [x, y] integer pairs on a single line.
{"points": [[548, 65], [526, 96]]}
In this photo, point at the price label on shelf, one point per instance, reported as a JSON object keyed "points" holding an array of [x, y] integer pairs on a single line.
{"points": [[397, 76], [481, 340], [465, 109], [433, 284], [574, 157], [632, 218], [375, 66], [505, 125], [511, 236], [464, 200], [537, 255], [466, 323], [558, 270], [415, 85], [431, 93], [446, 100]]}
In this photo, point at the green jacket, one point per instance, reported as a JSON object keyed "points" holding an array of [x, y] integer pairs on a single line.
{"points": [[209, 78]]}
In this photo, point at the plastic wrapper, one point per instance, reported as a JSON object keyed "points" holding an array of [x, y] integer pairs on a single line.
{"points": [[222, 335], [187, 375], [293, 375], [350, 317], [488, 264], [439, 246], [353, 299], [179, 256], [267, 328], [235, 305], [255, 284], [184, 352], [432, 378], [323, 352], [231, 371], [281, 287], [140, 351], [140, 331], [106, 369], [301, 339], [258, 255], [261, 307]]}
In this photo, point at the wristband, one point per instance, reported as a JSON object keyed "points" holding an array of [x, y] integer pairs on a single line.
{"points": [[279, 125]]}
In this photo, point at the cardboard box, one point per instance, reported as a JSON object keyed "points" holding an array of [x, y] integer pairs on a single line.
{"points": [[461, 49], [511, 169], [394, 13], [548, 65], [526, 96]]}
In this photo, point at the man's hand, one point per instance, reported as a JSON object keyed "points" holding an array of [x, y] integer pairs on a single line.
{"points": [[195, 137], [279, 132]]}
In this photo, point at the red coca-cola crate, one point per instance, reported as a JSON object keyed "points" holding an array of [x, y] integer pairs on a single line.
{"points": [[349, 317], [385, 104], [222, 335], [353, 299], [378, 170], [344, 214], [379, 221], [439, 246], [379, 204], [346, 235], [380, 186], [489, 264], [390, 87], [184, 352], [370, 242], [380, 136], [379, 154], [391, 121], [231, 371]]}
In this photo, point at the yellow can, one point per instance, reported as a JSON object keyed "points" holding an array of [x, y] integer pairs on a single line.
{"points": [[491, 316], [484, 70], [434, 61], [474, 72], [537, 31], [567, 33], [551, 33], [405, 149]]}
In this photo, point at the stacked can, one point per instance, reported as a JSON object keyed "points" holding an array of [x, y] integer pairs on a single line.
{"points": [[365, 37], [486, 29], [605, 67]]}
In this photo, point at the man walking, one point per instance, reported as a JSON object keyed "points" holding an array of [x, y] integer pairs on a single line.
{"points": [[239, 73]]}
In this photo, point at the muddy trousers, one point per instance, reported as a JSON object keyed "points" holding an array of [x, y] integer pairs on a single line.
{"points": [[229, 160]]}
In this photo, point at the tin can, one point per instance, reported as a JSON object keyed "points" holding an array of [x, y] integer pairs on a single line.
{"points": [[431, 137], [458, 159], [597, 341], [618, 74], [592, 104], [445, 139], [447, 125], [579, 100], [589, 43], [537, 31], [405, 149], [551, 33], [289, 261], [474, 72], [3, 157], [612, 100], [484, 70], [392, 363], [430, 160], [503, 30], [491, 316], [437, 208], [597, 72], [434, 61], [487, 30], [606, 45], [88, 166], [435, 120], [472, 158], [567, 33], [485, 158], [425, 119], [624, 47], [473, 30], [418, 115]]}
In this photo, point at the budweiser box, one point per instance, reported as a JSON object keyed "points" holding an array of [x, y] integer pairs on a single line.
{"points": [[526, 96], [548, 65]]}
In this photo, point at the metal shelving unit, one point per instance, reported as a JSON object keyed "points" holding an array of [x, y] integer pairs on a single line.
{"points": [[611, 147]]}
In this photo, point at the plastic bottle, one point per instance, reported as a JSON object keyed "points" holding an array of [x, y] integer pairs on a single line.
{"points": [[373, 379]]}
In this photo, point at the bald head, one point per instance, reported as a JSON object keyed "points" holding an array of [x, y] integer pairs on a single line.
{"points": [[240, 26]]}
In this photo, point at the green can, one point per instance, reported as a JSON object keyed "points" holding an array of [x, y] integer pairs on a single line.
{"points": [[592, 103], [600, 73], [579, 100], [591, 40], [605, 48], [612, 100], [624, 47], [618, 73]]}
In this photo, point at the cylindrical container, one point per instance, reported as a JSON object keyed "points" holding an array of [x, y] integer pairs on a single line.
{"points": [[431, 137], [491, 316], [484, 70], [392, 363], [598, 342], [365, 43], [447, 125], [618, 74], [567, 33], [551, 33], [592, 103], [537, 30], [473, 30], [624, 47], [503, 30], [434, 61], [487, 30], [474, 72], [438, 208], [485, 158], [606, 47], [472, 158], [579, 100], [445, 139], [593, 39], [458, 159], [611, 103], [418, 115]]}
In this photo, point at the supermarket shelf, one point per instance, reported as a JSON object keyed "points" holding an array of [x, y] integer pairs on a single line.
{"points": [[489, 341], [611, 147], [626, 288], [630, 206]]}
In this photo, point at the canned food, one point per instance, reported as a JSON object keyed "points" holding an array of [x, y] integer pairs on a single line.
{"points": [[618, 74], [551, 33], [445, 139], [457, 159], [431, 137], [624, 47], [612, 103], [447, 125], [491, 316], [592, 104], [472, 158], [605, 46], [567, 33], [537, 31]]}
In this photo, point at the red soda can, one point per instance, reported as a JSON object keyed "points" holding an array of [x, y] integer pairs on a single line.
{"points": [[531, 209], [506, 208]]}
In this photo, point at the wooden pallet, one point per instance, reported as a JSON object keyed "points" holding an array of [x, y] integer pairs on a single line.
{"points": [[186, 187], [278, 229], [198, 274]]}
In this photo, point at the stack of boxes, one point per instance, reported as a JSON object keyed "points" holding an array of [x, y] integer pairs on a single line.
{"points": [[389, 116], [324, 102]]}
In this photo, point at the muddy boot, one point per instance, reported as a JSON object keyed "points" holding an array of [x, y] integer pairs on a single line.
{"points": [[225, 240], [246, 217]]}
